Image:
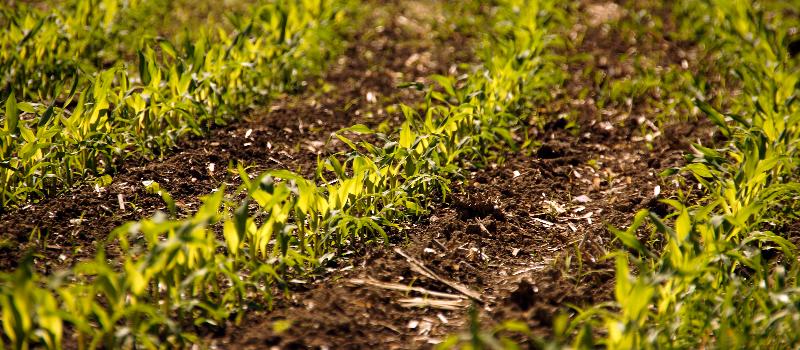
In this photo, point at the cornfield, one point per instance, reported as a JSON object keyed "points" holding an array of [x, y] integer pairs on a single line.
{"points": [[561, 108]]}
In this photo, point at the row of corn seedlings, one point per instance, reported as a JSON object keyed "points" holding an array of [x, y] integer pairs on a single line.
{"points": [[721, 271], [74, 121], [176, 278], [47, 44], [42, 49]]}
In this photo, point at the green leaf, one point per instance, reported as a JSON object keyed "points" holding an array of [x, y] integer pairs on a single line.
{"points": [[48, 114], [683, 225], [416, 85], [506, 136], [406, 136], [628, 237], [445, 82], [786, 246], [347, 141], [669, 172], [715, 116], [167, 48], [135, 278], [359, 129], [240, 219], [699, 169], [286, 175], [104, 180], [152, 187], [26, 107], [12, 115], [144, 72], [281, 326], [623, 284], [231, 237]]}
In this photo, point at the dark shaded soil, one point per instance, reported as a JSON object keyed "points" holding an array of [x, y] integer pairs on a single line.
{"points": [[399, 45], [530, 235]]}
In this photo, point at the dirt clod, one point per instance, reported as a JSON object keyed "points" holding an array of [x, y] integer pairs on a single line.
{"points": [[525, 295]]}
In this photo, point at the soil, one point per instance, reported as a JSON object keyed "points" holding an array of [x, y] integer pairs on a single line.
{"points": [[528, 235]]}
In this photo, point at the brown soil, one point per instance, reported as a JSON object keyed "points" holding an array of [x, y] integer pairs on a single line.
{"points": [[399, 45], [530, 235]]}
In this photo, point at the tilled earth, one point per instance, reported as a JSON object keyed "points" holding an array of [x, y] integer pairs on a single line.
{"points": [[522, 239]]}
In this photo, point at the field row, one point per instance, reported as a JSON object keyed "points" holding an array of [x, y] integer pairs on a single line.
{"points": [[83, 92], [720, 269], [723, 270]]}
